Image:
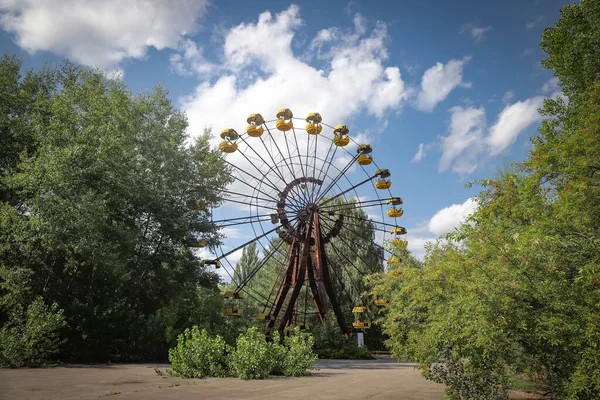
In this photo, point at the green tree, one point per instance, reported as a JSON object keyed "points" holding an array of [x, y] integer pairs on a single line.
{"points": [[94, 209], [516, 289]]}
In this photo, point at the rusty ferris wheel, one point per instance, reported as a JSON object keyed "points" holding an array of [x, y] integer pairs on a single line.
{"points": [[297, 179]]}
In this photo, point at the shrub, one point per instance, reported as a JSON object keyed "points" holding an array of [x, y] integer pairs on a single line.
{"points": [[299, 354], [30, 339], [197, 355], [253, 357]]}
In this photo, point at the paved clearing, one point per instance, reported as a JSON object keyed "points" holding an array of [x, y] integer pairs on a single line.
{"points": [[383, 378]]}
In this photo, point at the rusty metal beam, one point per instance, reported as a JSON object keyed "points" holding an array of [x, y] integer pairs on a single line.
{"points": [[324, 270]]}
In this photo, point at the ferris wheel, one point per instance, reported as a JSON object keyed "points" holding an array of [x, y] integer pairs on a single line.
{"points": [[308, 195]]}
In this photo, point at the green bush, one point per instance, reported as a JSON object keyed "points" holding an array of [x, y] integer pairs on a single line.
{"points": [[197, 355], [347, 350], [299, 354], [31, 338], [253, 357]]}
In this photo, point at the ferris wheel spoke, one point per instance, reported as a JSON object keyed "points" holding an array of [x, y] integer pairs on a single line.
{"points": [[329, 200], [274, 168], [338, 207], [252, 176], [250, 241], [264, 176], [356, 232], [328, 163], [287, 145], [368, 220], [336, 179], [353, 283], [240, 218], [271, 198], [246, 203], [356, 204], [279, 150], [250, 292], [342, 254], [265, 259]]}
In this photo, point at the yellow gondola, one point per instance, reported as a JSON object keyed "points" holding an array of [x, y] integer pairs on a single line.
{"points": [[227, 147], [254, 129], [364, 149], [359, 322], [233, 311], [383, 184], [341, 138], [381, 302], [229, 137], [398, 230], [364, 159], [341, 141], [214, 263], [341, 130], [395, 201], [383, 173], [196, 206], [255, 119], [265, 317], [285, 116], [399, 243], [198, 243], [313, 126], [395, 212], [394, 260]]}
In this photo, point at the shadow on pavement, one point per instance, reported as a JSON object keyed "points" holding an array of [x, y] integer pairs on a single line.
{"points": [[380, 363]]}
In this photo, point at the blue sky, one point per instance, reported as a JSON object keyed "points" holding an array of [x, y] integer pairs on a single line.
{"points": [[445, 91]]}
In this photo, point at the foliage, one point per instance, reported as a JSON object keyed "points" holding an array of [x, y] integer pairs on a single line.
{"points": [[332, 344], [299, 355], [199, 355], [31, 338], [94, 187], [253, 357], [515, 290]]}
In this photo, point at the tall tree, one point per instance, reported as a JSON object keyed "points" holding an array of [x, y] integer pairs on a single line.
{"points": [[98, 214], [516, 290]]}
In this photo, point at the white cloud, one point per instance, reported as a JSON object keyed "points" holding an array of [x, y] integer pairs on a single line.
{"points": [[266, 75], [419, 154], [550, 86], [451, 217], [476, 32], [438, 81], [442, 222], [534, 23], [99, 33], [190, 60], [464, 142], [511, 121]]}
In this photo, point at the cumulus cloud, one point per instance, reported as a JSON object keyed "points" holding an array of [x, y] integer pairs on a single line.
{"points": [[265, 75], [442, 222], [99, 33], [476, 32], [464, 142], [451, 217], [511, 121], [190, 60], [438, 81]]}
